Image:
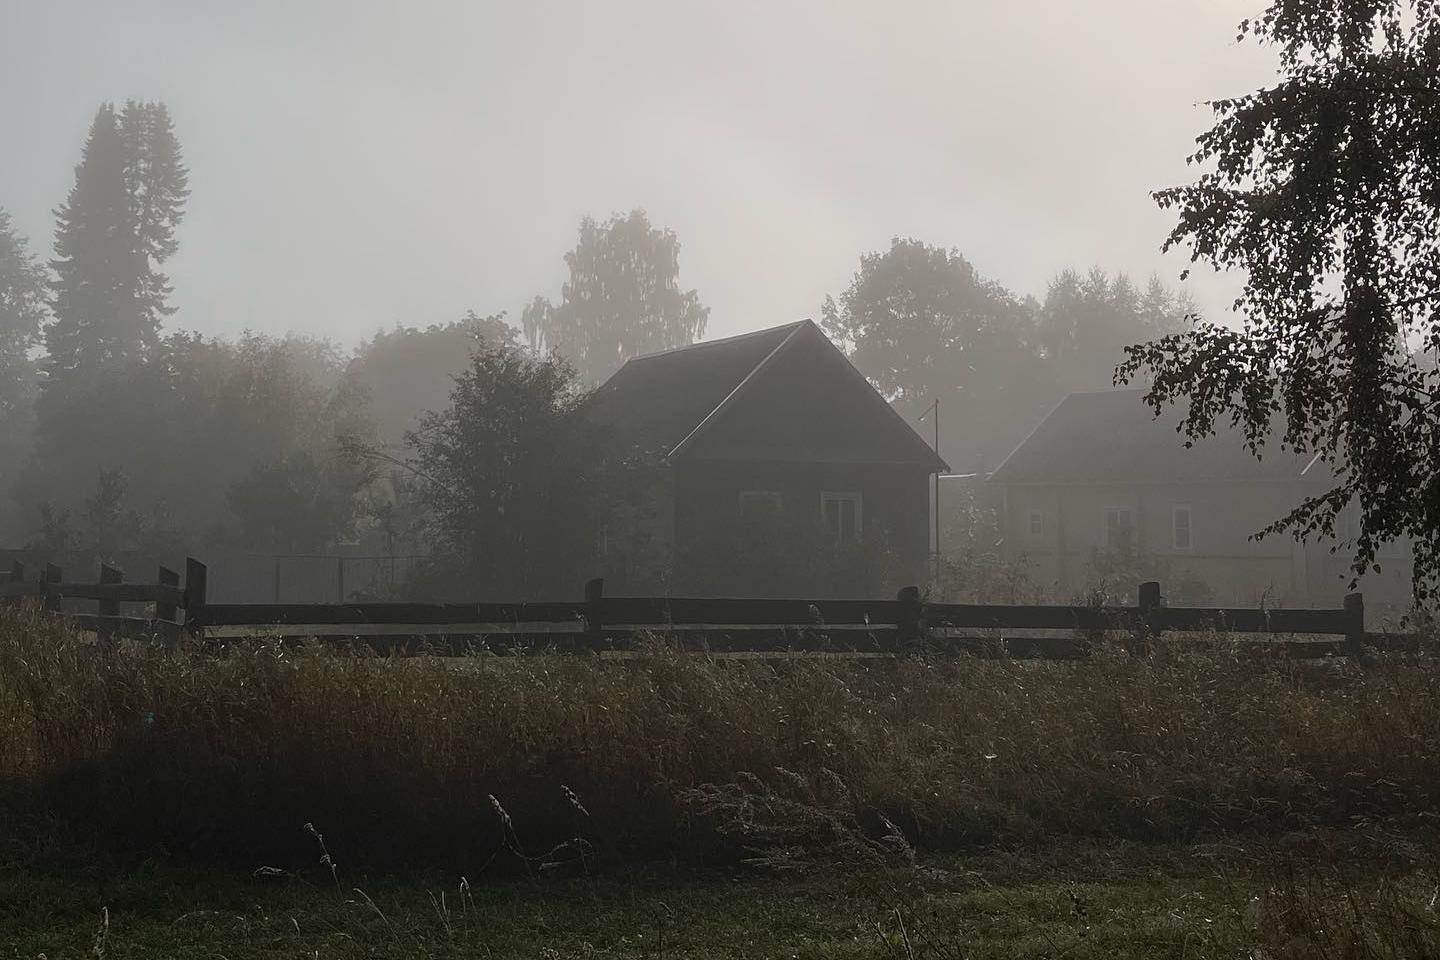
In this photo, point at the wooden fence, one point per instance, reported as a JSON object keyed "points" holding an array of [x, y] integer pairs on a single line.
{"points": [[600, 623]]}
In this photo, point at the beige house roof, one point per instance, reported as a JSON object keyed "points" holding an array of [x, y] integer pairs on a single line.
{"points": [[1111, 436]]}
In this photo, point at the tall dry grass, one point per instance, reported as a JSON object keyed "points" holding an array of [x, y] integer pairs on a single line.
{"points": [[226, 756]]}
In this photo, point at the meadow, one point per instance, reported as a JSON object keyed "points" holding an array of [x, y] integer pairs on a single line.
{"points": [[271, 800]]}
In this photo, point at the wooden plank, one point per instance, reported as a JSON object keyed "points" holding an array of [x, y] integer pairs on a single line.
{"points": [[1240, 620], [1030, 618], [196, 584], [52, 575], [167, 602], [766, 643], [660, 611], [348, 630], [777, 639], [121, 592], [1012, 647], [572, 640], [1403, 642], [268, 614], [17, 590], [109, 610], [120, 626]]}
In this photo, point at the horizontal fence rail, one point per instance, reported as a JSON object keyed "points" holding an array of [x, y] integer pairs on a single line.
{"points": [[718, 625], [164, 597]]}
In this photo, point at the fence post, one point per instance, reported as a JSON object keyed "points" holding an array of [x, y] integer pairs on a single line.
{"points": [[108, 608], [17, 575], [594, 618], [1149, 602], [1355, 626], [164, 611], [195, 576], [50, 598], [909, 628]]}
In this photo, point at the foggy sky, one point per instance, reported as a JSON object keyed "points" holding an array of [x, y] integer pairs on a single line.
{"points": [[357, 164]]}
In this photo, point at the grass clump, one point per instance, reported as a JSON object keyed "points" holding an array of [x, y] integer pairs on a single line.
{"points": [[405, 761]]}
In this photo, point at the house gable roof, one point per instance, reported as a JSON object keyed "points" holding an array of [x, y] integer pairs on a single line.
{"points": [[696, 401], [657, 400], [1111, 436]]}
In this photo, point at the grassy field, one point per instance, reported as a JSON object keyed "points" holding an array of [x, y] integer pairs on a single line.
{"points": [[1197, 802], [1291, 898]]}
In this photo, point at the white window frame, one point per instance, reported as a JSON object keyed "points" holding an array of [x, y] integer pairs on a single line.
{"points": [[1035, 523], [772, 497], [1175, 512], [1120, 511], [845, 496]]}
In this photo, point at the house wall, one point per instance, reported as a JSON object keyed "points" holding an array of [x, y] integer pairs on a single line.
{"points": [[895, 512], [1222, 515], [1222, 518], [638, 547]]}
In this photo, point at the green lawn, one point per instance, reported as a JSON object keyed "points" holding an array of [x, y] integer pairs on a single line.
{"points": [[1077, 901], [1355, 895]]}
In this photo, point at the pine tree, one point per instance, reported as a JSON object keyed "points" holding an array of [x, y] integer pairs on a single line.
{"points": [[114, 229]]}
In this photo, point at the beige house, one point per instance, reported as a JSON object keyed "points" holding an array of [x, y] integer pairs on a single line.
{"points": [[1099, 469]]}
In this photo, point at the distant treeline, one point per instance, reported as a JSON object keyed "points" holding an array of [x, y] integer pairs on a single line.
{"points": [[122, 433]]}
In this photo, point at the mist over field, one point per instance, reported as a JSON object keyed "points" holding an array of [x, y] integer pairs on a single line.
{"points": [[362, 164], [924, 479]]}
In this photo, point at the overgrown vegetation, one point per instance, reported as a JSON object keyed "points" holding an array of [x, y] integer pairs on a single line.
{"points": [[1018, 788], [220, 756]]}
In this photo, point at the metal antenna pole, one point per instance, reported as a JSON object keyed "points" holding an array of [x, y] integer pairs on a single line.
{"points": [[937, 494]]}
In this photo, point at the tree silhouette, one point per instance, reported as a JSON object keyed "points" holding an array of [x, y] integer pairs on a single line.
{"points": [[622, 299], [112, 232], [22, 310], [1087, 322], [921, 323], [1325, 190]]}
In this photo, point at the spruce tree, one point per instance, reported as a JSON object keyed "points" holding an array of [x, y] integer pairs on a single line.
{"points": [[158, 184], [113, 231], [95, 316]]}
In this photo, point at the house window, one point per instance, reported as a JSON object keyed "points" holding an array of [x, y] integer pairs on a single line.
{"points": [[755, 504], [1118, 526], [840, 513], [1182, 528], [1037, 523]]}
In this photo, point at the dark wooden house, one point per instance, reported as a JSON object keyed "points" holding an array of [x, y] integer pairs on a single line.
{"points": [[776, 430]]}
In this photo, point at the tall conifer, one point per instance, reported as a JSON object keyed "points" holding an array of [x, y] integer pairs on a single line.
{"points": [[114, 230]]}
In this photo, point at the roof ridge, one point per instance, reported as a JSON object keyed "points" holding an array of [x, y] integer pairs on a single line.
{"points": [[1103, 391], [1031, 435], [1108, 436], [795, 328], [723, 340]]}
